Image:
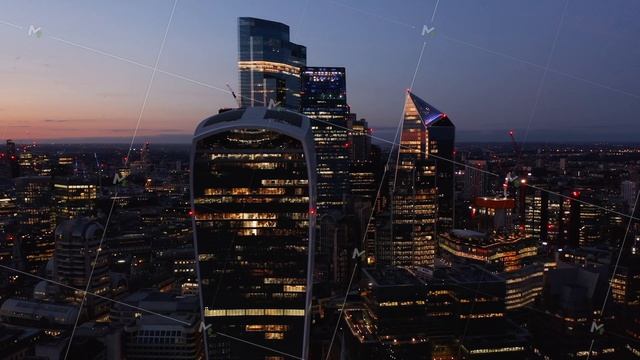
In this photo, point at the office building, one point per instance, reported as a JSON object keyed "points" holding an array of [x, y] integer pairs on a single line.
{"points": [[269, 64], [74, 197], [75, 264], [157, 337], [324, 101], [422, 188], [364, 158], [254, 211], [628, 191], [513, 257], [493, 214], [418, 313], [34, 201]]}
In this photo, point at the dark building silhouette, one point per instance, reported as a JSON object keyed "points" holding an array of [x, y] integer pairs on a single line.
{"points": [[12, 159]]}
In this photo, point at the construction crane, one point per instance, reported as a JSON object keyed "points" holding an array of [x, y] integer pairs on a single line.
{"points": [[233, 94]]}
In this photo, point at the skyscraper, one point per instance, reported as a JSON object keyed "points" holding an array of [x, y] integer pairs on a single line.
{"points": [[363, 160], [422, 188], [269, 64], [253, 202], [324, 98]]}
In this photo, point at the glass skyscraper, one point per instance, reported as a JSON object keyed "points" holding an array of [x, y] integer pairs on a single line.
{"points": [[324, 100], [253, 203], [422, 188], [269, 64]]}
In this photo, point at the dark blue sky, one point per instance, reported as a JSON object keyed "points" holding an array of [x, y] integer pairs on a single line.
{"points": [[486, 65]]}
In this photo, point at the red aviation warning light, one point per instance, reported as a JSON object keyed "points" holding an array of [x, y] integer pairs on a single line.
{"points": [[313, 211]]}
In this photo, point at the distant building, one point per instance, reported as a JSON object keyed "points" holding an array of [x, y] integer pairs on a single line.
{"points": [[269, 64], [74, 197], [40, 314], [80, 263], [628, 191], [254, 210], [493, 214], [476, 181], [12, 159], [363, 166], [512, 257], [36, 219]]}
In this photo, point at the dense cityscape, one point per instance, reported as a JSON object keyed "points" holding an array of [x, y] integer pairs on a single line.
{"points": [[290, 229]]}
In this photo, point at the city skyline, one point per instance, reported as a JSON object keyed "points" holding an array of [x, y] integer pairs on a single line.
{"points": [[305, 220], [545, 66]]}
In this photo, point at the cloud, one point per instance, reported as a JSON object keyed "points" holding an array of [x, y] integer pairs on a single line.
{"points": [[130, 130], [58, 120]]}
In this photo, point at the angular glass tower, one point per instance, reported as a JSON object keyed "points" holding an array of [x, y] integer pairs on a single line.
{"points": [[422, 190], [269, 64], [253, 203], [324, 100]]}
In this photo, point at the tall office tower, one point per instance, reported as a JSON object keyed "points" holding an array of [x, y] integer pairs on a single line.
{"points": [[269, 64], [77, 242], [74, 197], [362, 167], [35, 219], [422, 188], [12, 159], [324, 100], [628, 191], [253, 201]]}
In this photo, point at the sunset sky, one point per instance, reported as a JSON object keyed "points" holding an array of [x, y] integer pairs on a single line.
{"points": [[483, 66]]}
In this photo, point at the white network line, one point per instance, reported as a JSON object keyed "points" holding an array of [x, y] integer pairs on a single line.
{"points": [[613, 274], [133, 306], [371, 136], [384, 18], [178, 76], [113, 204], [373, 205], [532, 114], [90, 293]]}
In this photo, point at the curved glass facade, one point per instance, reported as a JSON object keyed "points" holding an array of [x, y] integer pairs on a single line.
{"points": [[269, 64], [251, 201]]}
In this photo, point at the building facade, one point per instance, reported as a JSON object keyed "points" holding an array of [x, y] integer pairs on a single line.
{"points": [[78, 260], [422, 188], [324, 101], [269, 64], [253, 205]]}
